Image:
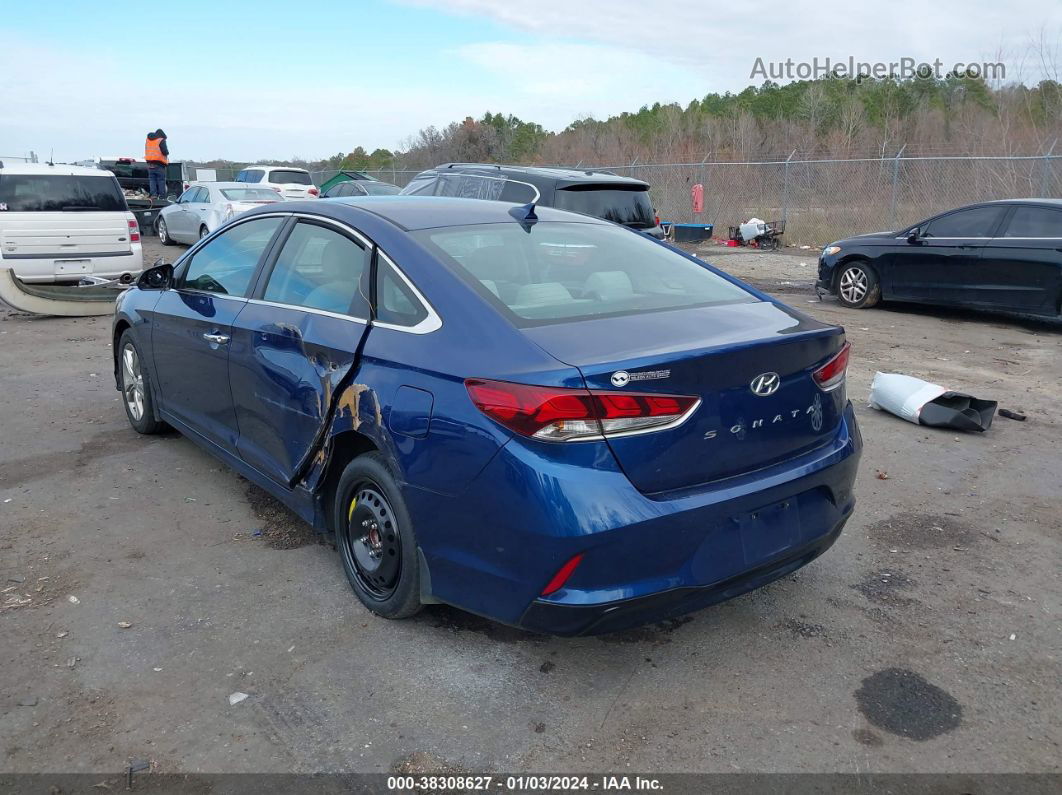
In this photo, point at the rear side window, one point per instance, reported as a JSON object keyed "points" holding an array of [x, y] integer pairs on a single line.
{"points": [[420, 186], [284, 177], [395, 301], [628, 207], [226, 264], [320, 268], [376, 189], [37, 193], [575, 271], [250, 175], [1035, 222], [249, 194], [975, 222]]}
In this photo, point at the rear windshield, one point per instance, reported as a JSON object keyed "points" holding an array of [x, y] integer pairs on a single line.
{"points": [[379, 188], [629, 207], [571, 271], [250, 194], [290, 177], [36, 193]]}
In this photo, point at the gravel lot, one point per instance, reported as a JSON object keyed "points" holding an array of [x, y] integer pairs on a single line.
{"points": [[927, 639]]}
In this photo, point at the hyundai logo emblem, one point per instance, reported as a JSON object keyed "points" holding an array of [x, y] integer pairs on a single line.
{"points": [[621, 378], [765, 384]]}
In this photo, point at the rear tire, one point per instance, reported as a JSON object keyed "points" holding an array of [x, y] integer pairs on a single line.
{"points": [[203, 231], [136, 387], [375, 538], [163, 232], [857, 285]]}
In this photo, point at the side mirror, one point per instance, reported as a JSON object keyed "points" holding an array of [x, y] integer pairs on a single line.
{"points": [[914, 235], [157, 277]]}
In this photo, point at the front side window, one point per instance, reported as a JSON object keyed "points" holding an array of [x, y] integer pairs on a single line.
{"points": [[320, 268], [975, 222], [572, 271], [1035, 222], [288, 177], [39, 193], [226, 264]]}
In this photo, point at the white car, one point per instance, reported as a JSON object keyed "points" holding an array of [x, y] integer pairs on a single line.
{"points": [[60, 223], [205, 206], [289, 182]]}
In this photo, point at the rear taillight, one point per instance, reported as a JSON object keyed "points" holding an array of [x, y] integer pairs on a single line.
{"points": [[562, 575], [572, 415], [313, 191], [134, 232], [831, 375]]}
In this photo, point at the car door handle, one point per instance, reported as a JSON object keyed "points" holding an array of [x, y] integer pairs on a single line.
{"points": [[216, 339]]}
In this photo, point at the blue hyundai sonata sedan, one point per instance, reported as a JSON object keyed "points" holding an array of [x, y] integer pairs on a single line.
{"points": [[537, 416]]}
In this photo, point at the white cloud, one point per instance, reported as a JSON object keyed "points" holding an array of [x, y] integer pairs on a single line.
{"points": [[721, 42]]}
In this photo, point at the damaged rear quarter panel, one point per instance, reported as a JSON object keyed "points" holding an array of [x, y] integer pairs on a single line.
{"points": [[458, 444]]}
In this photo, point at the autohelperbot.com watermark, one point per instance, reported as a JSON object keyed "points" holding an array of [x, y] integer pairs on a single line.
{"points": [[851, 69]]}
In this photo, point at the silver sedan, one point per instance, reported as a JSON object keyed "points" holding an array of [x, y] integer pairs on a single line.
{"points": [[207, 205]]}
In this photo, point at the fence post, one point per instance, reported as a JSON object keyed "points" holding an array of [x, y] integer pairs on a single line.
{"points": [[699, 218], [895, 186], [1045, 175], [785, 185]]}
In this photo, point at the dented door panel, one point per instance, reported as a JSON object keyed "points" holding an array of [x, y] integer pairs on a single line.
{"points": [[286, 367]]}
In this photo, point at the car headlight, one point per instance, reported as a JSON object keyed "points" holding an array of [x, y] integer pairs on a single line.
{"points": [[831, 250]]}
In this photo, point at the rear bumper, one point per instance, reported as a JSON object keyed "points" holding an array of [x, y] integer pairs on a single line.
{"points": [[71, 267], [645, 558], [567, 619]]}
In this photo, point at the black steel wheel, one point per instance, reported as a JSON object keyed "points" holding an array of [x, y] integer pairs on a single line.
{"points": [[375, 538]]}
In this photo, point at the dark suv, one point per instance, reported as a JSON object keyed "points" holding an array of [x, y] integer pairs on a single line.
{"points": [[602, 194]]}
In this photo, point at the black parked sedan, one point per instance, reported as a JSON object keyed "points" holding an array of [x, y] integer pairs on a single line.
{"points": [[1003, 255]]}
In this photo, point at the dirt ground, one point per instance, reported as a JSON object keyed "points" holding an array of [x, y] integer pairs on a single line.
{"points": [[144, 583]]}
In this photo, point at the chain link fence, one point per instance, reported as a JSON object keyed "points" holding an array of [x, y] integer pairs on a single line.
{"points": [[820, 200]]}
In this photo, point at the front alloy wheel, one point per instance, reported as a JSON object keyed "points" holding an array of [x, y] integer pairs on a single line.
{"points": [[857, 286], [164, 233], [132, 383], [136, 387]]}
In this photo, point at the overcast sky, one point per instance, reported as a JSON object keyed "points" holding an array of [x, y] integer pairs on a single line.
{"points": [[276, 79]]}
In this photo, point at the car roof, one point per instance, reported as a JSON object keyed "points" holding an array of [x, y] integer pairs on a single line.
{"points": [[428, 212], [206, 183], [542, 174], [277, 168], [60, 169], [1054, 202]]}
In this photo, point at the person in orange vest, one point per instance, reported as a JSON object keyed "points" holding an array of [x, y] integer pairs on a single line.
{"points": [[157, 155]]}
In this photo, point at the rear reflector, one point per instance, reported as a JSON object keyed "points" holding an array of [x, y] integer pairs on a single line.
{"points": [[313, 191], [562, 575], [134, 232], [571, 415], [831, 374]]}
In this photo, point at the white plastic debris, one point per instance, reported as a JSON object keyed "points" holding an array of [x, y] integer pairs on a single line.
{"points": [[236, 698], [73, 600], [923, 403], [752, 228]]}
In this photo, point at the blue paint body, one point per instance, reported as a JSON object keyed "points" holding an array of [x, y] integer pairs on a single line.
{"points": [[746, 490]]}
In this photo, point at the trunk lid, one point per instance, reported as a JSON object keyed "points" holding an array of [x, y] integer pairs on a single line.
{"points": [[64, 235], [713, 353]]}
